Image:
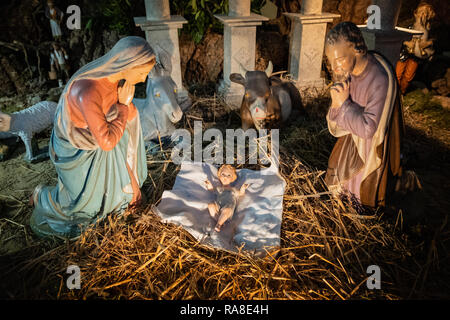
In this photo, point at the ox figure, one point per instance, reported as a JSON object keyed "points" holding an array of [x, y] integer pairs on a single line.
{"points": [[268, 101]]}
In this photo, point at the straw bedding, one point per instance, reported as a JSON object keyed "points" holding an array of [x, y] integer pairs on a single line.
{"points": [[326, 246]]}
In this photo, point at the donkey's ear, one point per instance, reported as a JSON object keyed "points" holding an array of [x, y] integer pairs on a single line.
{"points": [[157, 71], [165, 61], [172, 82], [238, 78], [275, 81]]}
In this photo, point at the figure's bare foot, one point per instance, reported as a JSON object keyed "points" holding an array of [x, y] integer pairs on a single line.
{"points": [[225, 215], [136, 204], [34, 195]]}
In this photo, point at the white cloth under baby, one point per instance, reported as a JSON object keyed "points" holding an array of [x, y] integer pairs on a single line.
{"points": [[256, 223]]}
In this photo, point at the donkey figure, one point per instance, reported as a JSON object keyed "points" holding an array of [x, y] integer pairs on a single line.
{"points": [[160, 110]]}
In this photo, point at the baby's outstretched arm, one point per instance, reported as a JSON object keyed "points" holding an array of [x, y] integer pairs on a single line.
{"points": [[243, 189], [209, 185]]}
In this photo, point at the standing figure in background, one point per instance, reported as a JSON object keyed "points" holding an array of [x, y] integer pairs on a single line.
{"points": [[419, 49], [96, 144], [55, 15], [59, 63]]}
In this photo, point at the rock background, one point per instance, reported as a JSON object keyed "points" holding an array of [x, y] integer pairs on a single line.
{"points": [[202, 63]]}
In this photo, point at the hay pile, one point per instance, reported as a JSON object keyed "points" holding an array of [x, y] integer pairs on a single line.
{"points": [[326, 246], [326, 249]]}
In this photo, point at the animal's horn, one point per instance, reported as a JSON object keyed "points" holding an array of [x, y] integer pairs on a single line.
{"points": [[242, 70], [269, 69]]}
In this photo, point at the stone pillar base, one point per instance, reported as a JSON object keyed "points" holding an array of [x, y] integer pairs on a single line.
{"points": [[318, 83], [232, 95], [310, 89]]}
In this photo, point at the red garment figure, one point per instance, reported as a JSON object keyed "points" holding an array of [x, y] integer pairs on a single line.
{"points": [[419, 49], [406, 70], [89, 103]]}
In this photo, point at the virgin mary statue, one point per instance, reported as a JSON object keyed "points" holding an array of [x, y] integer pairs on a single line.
{"points": [[96, 143]]}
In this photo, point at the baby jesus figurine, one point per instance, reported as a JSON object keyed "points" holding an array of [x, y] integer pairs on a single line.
{"points": [[222, 209]]}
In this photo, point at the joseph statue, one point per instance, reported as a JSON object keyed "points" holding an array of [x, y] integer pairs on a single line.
{"points": [[366, 117]]}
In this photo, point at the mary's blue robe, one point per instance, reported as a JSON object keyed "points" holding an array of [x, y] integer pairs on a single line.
{"points": [[92, 182]]}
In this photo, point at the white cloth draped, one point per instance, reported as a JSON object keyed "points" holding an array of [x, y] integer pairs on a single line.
{"points": [[256, 223]]}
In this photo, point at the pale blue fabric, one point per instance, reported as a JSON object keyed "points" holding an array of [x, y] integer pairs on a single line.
{"points": [[90, 185], [91, 181]]}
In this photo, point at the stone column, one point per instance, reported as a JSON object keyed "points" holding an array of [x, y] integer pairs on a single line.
{"points": [[239, 47], [307, 41], [387, 40], [161, 32]]}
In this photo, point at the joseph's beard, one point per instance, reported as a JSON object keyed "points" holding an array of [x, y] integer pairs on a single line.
{"points": [[340, 77]]}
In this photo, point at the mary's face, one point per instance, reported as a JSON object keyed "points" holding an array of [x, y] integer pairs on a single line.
{"points": [[342, 58], [139, 73]]}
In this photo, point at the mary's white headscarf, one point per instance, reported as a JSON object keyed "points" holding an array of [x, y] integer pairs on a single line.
{"points": [[127, 53]]}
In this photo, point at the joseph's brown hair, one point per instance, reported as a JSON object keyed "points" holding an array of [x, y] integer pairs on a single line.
{"points": [[347, 31]]}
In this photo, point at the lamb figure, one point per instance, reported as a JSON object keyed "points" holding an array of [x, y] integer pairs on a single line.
{"points": [[26, 123]]}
